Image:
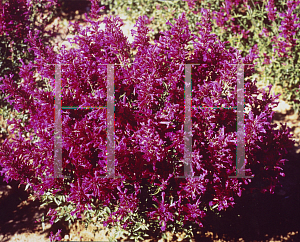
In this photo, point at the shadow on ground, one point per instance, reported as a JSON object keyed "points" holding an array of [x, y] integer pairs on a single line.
{"points": [[71, 8], [255, 217], [18, 213], [260, 217]]}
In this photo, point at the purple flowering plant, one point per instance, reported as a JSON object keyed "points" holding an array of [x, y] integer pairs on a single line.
{"points": [[149, 118], [55, 237], [272, 26], [17, 18]]}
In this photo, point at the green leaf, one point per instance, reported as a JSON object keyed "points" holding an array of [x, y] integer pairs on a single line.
{"points": [[107, 210], [57, 201], [57, 219]]}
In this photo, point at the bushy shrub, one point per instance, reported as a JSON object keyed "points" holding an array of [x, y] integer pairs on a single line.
{"points": [[271, 26], [149, 118], [17, 18]]}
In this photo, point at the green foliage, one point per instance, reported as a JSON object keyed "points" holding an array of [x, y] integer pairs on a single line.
{"points": [[158, 11], [13, 46], [285, 75], [139, 229], [63, 207], [283, 72]]}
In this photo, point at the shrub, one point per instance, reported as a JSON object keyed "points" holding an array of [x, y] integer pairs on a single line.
{"points": [[17, 18], [149, 93], [272, 26]]}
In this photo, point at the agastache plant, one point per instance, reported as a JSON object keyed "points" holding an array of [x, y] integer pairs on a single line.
{"points": [[278, 42], [149, 118], [17, 18], [271, 25]]}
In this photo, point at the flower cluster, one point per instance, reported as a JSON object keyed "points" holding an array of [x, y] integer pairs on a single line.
{"points": [[18, 17], [272, 25], [149, 119], [55, 237], [278, 37], [271, 9], [289, 27]]}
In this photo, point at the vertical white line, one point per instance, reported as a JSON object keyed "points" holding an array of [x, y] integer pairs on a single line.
{"points": [[240, 152], [58, 125], [187, 122], [110, 122]]}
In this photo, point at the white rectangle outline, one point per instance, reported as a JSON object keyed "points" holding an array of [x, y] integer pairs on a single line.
{"points": [[240, 153], [240, 157], [110, 124]]}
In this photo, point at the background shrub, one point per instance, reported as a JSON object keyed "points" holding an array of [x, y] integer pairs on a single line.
{"points": [[17, 19], [270, 26], [149, 115]]}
